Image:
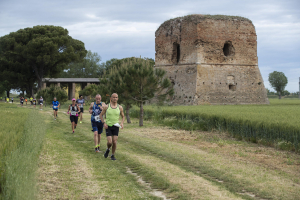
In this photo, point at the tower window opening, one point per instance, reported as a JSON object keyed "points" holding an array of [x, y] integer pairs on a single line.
{"points": [[228, 49], [176, 53], [232, 87]]}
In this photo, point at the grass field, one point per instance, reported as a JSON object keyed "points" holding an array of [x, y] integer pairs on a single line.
{"points": [[153, 162], [273, 124]]}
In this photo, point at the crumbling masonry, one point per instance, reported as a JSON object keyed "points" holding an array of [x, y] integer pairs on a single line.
{"points": [[210, 59]]}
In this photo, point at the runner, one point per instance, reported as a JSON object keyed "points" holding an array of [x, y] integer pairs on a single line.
{"points": [[34, 102], [112, 111], [41, 103], [55, 106], [22, 101], [81, 103], [12, 100], [30, 99], [26, 101], [7, 100], [74, 113], [95, 110]]}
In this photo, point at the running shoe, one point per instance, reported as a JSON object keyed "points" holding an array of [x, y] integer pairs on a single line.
{"points": [[106, 153], [113, 157], [54, 118], [97, 150], [73, 131]]}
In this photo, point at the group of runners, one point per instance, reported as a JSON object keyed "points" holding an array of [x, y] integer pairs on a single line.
{"points": [[97, 109], [32, 100]]}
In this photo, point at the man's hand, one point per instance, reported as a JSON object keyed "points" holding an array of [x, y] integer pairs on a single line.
{"points": [[105, 126]]}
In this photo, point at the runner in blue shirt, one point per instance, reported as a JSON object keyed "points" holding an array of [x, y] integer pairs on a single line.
{"points": [[55, 106], [81, 103], [95, 109]]}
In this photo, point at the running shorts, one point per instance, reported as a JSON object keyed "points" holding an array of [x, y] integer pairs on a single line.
{"points": [[112, 131], [97, 126], [81, 110], [74, 119]]}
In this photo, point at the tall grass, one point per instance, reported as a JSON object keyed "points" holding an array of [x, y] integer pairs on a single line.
{"points": [[18, 180], [273, 124], [12, 120]]}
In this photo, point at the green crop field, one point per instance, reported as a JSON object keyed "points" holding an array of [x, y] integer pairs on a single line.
{"points": [[276, 123]]}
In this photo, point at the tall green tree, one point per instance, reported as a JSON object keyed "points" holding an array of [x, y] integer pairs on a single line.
{"points": [[89, 67], [137, 80], [278, 82], [40, 51]]}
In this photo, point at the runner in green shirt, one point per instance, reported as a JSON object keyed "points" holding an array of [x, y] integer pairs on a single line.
{"points": [[112, 111]]}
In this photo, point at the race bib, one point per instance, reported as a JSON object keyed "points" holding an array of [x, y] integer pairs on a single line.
{"points": [[54, 107], [41, 103], [97, 118], [73, 112], [80, 106]]}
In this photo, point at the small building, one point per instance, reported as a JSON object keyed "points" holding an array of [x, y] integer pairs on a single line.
{"points": [[210, 59]]}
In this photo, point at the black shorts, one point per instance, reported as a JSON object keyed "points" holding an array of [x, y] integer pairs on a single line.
{"points": [[112, 131], [74, 119], [21, 102], [81, 110]]}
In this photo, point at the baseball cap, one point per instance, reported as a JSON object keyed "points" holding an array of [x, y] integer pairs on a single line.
{"points": [[73, 99]]}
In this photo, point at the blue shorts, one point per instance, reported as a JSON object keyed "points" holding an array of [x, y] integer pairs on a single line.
{"points": [[97, 126]]}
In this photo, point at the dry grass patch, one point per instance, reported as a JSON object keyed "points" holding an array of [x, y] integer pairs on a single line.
{"points": [[198, 187]]}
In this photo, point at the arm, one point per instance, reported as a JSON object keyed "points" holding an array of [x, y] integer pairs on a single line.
{"points": [[123, 116], [101, 116], [91, 108], [68, 109]]}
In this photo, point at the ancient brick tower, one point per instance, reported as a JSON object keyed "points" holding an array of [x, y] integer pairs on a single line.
{"points": [[210, 59]]}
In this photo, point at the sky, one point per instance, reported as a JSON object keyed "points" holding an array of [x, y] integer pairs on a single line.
{"points": [[126, 28]]}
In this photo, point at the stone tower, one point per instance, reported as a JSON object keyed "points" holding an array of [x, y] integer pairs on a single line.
{"points": [[210, 59]]}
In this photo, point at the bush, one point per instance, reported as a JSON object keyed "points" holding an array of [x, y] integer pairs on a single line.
{"points": [[49, 93]]}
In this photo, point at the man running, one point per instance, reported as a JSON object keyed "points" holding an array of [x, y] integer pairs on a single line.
{"points": [[30, 99], [41, 103], [22, 101], [112, 111], [34, 102], [55, 106], [74, 108], [26, 101], [12, 100], [7, 99], [97, 125], [81, 103]]}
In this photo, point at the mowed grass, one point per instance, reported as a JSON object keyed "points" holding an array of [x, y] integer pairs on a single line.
{"points": [[22, 134], [276, 124]]}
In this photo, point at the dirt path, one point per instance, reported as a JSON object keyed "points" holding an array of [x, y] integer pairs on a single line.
{"points": [[180, 164]]}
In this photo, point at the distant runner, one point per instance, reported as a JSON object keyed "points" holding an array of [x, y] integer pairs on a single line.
{"points": [[12, 100], [97, 125], [81, 103], [7, 99], [74, 108], [55, 106], [112, 111], [30, 99], [21, 101], [34, 102], [41, 103], [26, 101]]}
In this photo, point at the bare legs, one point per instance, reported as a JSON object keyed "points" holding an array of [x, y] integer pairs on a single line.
{"points": [[112, 141], [97, 138]]}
